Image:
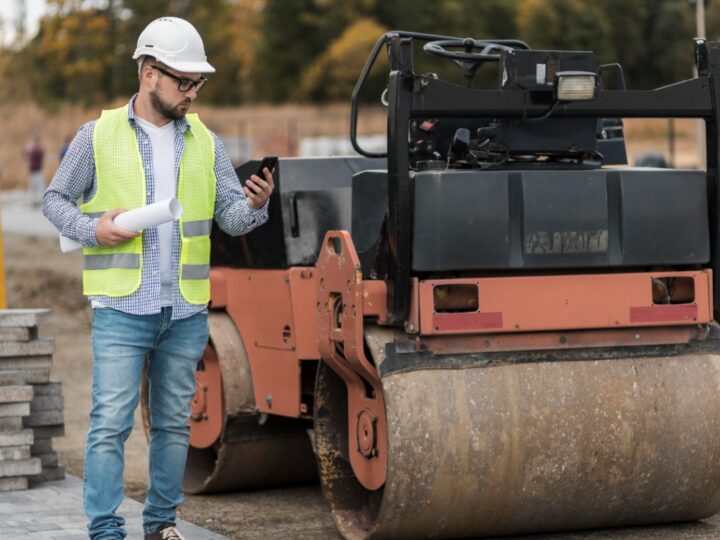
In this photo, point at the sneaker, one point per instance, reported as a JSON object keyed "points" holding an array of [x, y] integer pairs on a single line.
{"points": [[166, 531]]}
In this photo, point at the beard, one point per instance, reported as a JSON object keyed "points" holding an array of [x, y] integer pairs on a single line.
{"points": [[165, 109]]}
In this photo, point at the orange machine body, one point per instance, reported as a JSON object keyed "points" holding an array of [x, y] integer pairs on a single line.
{"points": [[275, 313]]}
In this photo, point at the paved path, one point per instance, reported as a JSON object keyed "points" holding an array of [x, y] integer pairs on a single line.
{"points": [[19, 216], [54, 511]]}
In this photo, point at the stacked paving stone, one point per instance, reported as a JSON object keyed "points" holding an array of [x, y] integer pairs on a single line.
{"points": [[31, 406], [46, 420], [16, 463]]}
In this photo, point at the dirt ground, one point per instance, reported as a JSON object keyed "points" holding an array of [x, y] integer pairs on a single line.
{"points": [[38, 275]]}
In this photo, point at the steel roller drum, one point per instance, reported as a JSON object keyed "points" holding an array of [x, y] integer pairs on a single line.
{"points": [[252, 452], [531, 447]]}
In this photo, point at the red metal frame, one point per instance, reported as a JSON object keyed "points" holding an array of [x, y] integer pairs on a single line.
{"points": [[342, 297], [577, 339], [564, 302], [267, 307], [206, 409], [218, 289]]}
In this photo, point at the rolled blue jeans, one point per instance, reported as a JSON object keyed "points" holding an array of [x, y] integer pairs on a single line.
{"points": [[120, 343]]}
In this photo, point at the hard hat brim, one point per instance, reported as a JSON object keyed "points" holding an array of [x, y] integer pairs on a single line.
{"points": [[191, 67], [187, 67]]}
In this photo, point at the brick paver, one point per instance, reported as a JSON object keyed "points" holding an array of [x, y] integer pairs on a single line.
{"points": [[54, 511]]}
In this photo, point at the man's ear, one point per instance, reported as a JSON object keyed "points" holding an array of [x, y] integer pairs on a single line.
{"points": [[146, 70], [145, 67]]}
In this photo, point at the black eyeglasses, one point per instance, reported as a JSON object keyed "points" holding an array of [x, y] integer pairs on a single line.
{"points": [[184, 85]]}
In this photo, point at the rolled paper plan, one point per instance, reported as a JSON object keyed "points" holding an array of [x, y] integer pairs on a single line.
{"points": [[141, 218]]}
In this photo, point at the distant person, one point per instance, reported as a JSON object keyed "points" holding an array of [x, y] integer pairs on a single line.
{"points": [[34, 155], [147, 299], [64, 148], [653, 158]]}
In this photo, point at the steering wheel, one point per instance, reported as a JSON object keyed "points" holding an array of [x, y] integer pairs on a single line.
{"points": [[475, 52], [489, 50]]}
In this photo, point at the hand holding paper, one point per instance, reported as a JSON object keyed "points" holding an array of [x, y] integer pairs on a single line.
{"points": [[110, 234], [137, 220]]}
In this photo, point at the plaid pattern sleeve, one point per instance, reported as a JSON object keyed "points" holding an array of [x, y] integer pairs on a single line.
{"points": [[75, 178], [232, 213]]}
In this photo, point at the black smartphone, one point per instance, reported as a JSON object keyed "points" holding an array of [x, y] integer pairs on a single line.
{"points": [[268, 161]]}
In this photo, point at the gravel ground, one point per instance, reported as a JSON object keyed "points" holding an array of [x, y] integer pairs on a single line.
{"points": [[38, 275]]}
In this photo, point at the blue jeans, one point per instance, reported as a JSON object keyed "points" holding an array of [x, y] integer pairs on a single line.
{"points": [[120, 343]]}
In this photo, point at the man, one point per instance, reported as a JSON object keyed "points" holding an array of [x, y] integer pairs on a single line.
{"points": [[34, 154], [64, 148], [149, 290]]}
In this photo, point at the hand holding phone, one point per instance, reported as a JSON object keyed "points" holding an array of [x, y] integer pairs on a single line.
{"points": [[268, 161], [258, 191]]}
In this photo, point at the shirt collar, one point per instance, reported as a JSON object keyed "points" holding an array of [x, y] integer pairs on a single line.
{"points": [[182, 125]]}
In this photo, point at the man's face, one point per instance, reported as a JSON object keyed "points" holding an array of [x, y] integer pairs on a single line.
{"points": [[165, 96]]}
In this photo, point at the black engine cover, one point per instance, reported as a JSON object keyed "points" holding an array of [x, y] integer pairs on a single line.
{"points": [[466, 220]]}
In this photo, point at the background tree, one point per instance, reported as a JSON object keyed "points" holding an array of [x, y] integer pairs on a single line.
{"points": [[312, 50], [333, 74], [667, 32], [566, 25], [59, 66], [291, 39], [244, 39], [650, 38], [218, 39]]}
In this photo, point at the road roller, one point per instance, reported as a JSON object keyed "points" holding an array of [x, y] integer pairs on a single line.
{"points": [[494, 326]]}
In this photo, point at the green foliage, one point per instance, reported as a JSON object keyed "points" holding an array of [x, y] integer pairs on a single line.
{"points": [[466, 18], [565, 24], [291, 38], [58, 66], [313, 50], [218, 39], [244, 38], [333, 74], [652, 39], [668, 30]]}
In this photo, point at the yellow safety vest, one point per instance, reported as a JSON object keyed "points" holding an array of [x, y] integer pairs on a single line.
{"points": [[120, 176]]}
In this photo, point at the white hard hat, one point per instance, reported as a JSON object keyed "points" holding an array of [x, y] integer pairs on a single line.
{"points": [[175, 43]]}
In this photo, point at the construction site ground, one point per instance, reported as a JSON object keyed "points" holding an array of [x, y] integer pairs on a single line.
{"points": [[39, 275], [53, 511]]}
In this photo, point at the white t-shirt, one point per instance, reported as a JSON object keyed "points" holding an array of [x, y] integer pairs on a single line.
{"points": [[162, 139]]}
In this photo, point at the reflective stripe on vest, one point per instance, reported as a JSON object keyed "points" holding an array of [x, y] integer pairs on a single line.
{"points": [[116, 260], [197, 228], [196, 271], [121, 183]]}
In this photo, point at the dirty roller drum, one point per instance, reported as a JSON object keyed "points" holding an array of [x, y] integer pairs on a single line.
{"points": [[529, 447], [233, 447]]}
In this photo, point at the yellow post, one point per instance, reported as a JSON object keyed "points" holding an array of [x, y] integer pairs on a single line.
{"points": [[3, 296]]}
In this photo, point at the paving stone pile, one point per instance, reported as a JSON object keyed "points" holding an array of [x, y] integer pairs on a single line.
{"points": [[31, 406]]}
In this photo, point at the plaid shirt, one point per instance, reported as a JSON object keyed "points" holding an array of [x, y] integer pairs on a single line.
{"points": [[75, 178]]}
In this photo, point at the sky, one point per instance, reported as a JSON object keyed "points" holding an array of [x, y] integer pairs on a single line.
{"points": [[9, 13]]}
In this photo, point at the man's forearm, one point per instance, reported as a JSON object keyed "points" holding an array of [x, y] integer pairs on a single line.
{"points": [[68, 219], [239, 218], [232, 213]]}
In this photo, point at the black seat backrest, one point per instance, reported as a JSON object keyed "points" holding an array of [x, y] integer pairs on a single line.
{"points": [[311, 197]]}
